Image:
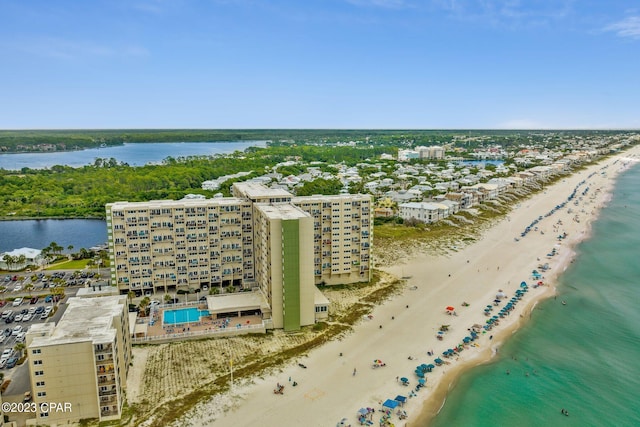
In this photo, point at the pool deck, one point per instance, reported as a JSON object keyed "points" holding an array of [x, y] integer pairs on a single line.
{"points": [[206, 324]]}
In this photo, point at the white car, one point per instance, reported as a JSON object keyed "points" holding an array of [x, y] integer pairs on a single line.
{"points": [[18, 318], [17, 301], [2, 338], [6, 354], [6, 313], [32, 310], [17, 288], [21, 336], [27, 317], [47, 310], [16, 330]]}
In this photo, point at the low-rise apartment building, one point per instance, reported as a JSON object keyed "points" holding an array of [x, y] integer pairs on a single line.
{"points": [[81, 362]]}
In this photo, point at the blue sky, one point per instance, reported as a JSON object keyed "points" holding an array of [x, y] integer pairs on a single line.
{"points": [[412, 64]]}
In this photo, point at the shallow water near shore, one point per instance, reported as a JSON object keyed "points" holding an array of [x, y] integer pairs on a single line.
{"points": [[584, 356]]}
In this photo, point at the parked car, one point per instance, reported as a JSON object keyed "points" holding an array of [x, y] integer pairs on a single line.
{"points": [[19, 317], [31, 310], [6, 353], [34, 300], [39, 310], [2, 338], [7, 332], [17, 288], [44, 316], [9, 319], [6, 313], [3, 363], [27, 396], [16, 330], [49, 298], [12, 362], [27, 317], [20, 337], [18, 301]]}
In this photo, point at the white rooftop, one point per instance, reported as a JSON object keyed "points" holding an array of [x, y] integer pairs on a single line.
{"points": [[175, 203], [236, 302], [281, 211], [257, 189], [29, 253], [85, 319]]}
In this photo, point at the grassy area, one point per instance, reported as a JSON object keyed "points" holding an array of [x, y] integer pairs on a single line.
{"points": [[76, 264]]}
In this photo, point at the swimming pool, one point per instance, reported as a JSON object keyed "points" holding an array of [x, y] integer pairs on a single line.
{"points": [[183, 315]]}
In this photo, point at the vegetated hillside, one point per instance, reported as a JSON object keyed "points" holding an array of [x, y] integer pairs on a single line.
{"points": [[64, 191]]}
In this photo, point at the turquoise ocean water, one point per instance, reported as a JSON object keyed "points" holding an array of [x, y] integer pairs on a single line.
{"points": [[583, 356]]}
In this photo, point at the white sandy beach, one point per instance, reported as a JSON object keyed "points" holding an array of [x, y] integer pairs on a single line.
{"points": [[327, 390]]}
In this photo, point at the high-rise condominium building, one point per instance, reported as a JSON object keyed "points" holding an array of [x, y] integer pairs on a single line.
{"points": [[173, 245]]}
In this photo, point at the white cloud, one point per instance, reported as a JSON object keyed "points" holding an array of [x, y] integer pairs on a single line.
{"points": [[53, 47], [507, 13], [628, 27]]}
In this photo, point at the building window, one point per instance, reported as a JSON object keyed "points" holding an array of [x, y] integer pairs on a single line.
{"points": [[39, 373], [42, 393], [44, 414], [40, 384], [37, 362], [36, 351]]}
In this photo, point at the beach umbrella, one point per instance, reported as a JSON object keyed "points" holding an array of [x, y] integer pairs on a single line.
{"points": [[391, 404], [450, 308], [404, 380], [430, 366], [400, 398], [501, 295], [363, 411], [422, 381], [487, 310], [466, 339], [523, 284], [438, 361], [420, 374]]}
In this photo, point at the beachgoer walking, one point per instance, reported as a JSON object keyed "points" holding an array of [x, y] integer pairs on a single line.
{"points": [[354, 372]]}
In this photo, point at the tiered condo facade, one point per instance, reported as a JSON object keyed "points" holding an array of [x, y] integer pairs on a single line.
{"points": [[173, 245]]}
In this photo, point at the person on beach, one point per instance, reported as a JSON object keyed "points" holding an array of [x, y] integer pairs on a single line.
{"points": [[354, 372]]}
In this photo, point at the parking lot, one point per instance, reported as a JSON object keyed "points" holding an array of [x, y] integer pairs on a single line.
{"points": [[27, 299]]}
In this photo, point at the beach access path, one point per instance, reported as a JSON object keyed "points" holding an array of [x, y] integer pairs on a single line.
{"points": [[406, 325]]}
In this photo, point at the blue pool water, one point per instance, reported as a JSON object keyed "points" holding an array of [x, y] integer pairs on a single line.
{"points": [[183, 315]]}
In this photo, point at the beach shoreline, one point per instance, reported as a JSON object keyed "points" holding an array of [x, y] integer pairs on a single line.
{"points": [[433, 404], [402, 331]]}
